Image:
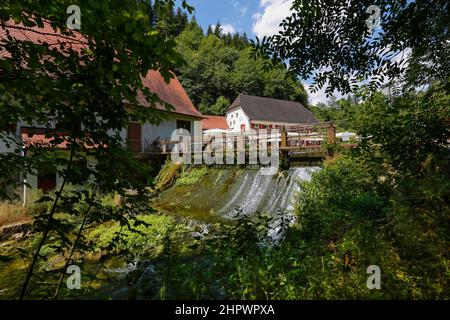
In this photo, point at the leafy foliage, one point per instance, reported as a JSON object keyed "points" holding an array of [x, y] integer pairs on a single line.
{"points": [[83, 89], [414, 130], [330, 41], [385, 204], [219, 67], [191, 176]]}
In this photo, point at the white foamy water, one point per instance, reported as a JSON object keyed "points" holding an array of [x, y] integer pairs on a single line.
{"points": [[275, 195], [256, 192]]}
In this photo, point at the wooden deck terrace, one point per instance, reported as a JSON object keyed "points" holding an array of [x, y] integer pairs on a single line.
{"points": [[294, 143]]}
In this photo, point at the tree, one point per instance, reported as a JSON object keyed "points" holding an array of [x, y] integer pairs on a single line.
{"points": [[220, 107], [344, 52], [209, 31], [90, 83], [411, 133], [152, 13], [218, 30], [223, 67]]}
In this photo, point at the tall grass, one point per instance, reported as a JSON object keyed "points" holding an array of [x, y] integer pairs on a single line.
{"points": [[12, 212]]}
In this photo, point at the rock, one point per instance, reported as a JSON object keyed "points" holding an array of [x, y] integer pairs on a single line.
{"points": [[13, 230], [18, 236]]}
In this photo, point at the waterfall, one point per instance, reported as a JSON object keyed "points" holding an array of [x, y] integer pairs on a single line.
{"points": [[223, 193], [267, 194]]}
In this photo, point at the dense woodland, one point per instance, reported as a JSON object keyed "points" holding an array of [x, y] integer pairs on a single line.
{"points": [[219, 66]]}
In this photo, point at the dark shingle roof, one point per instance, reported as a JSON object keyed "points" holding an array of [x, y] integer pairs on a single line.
{"points": [[268, 109]]}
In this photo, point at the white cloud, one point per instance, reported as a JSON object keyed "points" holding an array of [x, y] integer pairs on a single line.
{"points": [[267, 23], [228, 28], [237, 5], [320, 96]]}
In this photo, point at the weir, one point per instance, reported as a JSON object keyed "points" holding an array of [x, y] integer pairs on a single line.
{"points": [[223, 193]]}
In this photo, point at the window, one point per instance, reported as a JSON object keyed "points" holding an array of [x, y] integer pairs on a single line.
{"points": [[183, 124]]}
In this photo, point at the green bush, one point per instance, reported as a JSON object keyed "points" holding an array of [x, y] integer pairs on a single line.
{"points": [[143, 240], [350, 216]]}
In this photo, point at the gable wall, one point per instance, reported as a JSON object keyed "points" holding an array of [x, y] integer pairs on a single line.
{"points": [[237, 117]]}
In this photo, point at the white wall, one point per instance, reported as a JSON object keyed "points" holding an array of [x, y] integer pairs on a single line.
{"points": [[32, 179], [4, 148], [236, 118], [197, 128], [151, 133], [11, 138]]}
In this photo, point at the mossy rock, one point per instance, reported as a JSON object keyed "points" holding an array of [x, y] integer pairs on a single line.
{"points": [[168, 175], [191, 176]]}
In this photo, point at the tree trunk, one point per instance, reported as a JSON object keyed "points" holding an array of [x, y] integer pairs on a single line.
{"points": [[47, 227]]}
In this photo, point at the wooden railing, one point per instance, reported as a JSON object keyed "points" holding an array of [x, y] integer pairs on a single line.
{"points": [[292, 139]]}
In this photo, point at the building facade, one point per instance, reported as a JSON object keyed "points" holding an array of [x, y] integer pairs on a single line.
{"points": [[251, 112], [138, 137]]}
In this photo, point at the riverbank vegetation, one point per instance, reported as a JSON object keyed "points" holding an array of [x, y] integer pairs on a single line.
{"points": [[385, 203]]}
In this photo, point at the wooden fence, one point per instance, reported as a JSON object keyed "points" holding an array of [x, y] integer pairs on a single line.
{"points": [[307, 141]]}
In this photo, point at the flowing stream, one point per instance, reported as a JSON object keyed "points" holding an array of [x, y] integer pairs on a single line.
{"points": [[219, 196]]}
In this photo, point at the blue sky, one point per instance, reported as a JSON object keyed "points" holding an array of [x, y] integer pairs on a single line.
{"points": [[254, 17], [233, 14]]}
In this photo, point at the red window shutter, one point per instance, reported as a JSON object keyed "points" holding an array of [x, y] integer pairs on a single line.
{"points": [[135, 137], [46, 180]]}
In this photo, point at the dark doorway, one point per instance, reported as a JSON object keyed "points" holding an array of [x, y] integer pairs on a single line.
{"points": [[183, 124], [135, 137]]}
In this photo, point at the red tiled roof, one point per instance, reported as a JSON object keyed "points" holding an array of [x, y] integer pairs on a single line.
{"points": [[215, 122], [41, 140], [31, 140], [172, 93], [39, 36]]}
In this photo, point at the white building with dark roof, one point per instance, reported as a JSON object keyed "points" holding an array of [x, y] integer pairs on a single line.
{"points": [[251, 112]]}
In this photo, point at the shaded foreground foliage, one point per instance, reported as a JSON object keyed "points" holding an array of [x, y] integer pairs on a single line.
{"points": [[385, 204], [83, 89]]}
